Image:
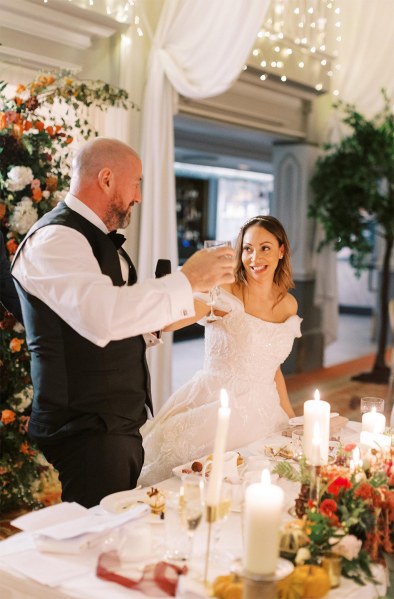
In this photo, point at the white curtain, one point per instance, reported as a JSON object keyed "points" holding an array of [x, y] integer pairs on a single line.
{"points": [[198, 50], [366, 67]]}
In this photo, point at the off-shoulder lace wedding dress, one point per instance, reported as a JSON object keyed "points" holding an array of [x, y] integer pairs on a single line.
{"points": [[242, 355]]}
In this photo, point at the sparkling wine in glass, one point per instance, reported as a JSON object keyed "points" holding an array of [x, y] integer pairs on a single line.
{"points": [[191, 505], [215, 291]]}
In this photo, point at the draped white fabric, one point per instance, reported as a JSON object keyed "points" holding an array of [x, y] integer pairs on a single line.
{"points": [[366, 67], [198, 50]]}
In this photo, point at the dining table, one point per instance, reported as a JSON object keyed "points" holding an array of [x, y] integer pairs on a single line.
{"points": [[30, 568]]}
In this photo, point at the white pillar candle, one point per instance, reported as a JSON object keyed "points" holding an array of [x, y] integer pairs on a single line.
{"points": [[373, 422], [316, 411], [219, 448], [315, 458], [263, 512]]}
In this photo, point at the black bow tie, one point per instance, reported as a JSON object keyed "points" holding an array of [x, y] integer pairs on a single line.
{"points": [[117, 239]]}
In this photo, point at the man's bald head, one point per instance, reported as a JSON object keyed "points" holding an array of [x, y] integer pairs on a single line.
{"points": [[106, 176], [99, 153]]}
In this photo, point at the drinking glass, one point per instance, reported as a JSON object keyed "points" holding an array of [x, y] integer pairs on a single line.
{"points": [[368, 403], [191, 506], [215, 291]]}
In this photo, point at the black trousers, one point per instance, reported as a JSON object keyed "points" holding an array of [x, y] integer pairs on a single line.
{"points": [[93, 465]]}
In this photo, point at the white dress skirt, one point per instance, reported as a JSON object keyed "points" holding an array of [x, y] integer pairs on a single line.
{"points": [[242, 355]]}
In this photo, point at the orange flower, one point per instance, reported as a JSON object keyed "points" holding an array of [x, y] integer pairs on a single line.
{"points": [[51, 183], [7, 416], [50, 130], [3, 470], [37, 194], [21, 88], [3, 210], [16, 344], [46, 79], [18, 129], [12, 246], [69, 139], [25, 449], [18, 101], [39, 125], [3, 120], [28, 125]]}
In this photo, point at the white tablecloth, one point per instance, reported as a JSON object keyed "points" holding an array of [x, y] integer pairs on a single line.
{"points": [[15, 585]]}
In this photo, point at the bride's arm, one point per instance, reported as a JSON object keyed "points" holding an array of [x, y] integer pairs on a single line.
{"points": [[283, 395]]}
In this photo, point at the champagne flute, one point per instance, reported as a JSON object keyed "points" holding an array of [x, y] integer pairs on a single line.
{"points": [[191, 506], [215, 291]]}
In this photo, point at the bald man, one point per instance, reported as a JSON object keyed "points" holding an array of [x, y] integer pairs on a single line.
{"points": [[85, 317]]}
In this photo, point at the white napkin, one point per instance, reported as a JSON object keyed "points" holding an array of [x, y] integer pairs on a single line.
{"points": [[190, 589], [70, 528]]}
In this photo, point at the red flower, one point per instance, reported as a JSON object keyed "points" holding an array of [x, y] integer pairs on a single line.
{"points": [[328, 508], [349, 447], [12, 246], [337, 484], [365, 491]]}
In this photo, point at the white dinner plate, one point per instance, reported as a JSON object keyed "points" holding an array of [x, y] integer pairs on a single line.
{"points": [[297, 420], [121, 502], [270, 447], [183, 469]]}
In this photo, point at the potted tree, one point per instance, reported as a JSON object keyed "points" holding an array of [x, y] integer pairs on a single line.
{"points": [[353, 187]]}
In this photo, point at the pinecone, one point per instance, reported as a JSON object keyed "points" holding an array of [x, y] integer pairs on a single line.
{"points": [[301, 503]]}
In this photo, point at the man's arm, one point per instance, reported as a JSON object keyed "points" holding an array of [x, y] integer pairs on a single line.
{"points": [[57, 266]]}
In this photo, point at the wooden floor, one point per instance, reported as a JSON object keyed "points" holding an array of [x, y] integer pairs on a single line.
{"points": [[336, 386]]}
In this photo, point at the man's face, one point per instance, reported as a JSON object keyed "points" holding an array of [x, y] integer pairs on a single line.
{"points": [[127, 192]]}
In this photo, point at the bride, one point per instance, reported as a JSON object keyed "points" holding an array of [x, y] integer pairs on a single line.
{"points": [[243, 353]]}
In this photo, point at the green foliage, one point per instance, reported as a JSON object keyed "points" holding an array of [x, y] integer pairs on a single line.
{"points": [[353, 184], [35, 156]]}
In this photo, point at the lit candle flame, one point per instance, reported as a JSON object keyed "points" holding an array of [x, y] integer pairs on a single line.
{"points": [[317, 395], [266, 477]]}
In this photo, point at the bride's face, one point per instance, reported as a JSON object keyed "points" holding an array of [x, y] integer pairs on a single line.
{"points": [[261, 253]]}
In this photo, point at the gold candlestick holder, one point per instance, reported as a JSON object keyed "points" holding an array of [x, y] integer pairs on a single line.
{"points": [[211, 516]]}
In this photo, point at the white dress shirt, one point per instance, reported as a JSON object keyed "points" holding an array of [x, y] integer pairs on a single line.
{"points": [[57, 266]]}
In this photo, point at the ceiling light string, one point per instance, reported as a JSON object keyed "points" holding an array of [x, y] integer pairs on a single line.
{"points": [[299, 39]]}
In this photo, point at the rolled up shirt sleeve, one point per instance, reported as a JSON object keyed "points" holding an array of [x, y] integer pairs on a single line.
{"points": [[57, 266]]}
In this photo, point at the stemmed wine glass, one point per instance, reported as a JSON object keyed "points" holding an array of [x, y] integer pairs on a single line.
{"points": [[215, 291], [191, 500]]}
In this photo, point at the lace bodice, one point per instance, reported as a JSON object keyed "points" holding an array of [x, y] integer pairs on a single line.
{"points": [[242, 354], [247, 346]]}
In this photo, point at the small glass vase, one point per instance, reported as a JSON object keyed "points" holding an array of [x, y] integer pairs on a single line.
{"points": [[331, 563]]}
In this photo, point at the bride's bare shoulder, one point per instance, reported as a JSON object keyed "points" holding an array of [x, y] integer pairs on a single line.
{"points": [[234, 289], [289, 304]]}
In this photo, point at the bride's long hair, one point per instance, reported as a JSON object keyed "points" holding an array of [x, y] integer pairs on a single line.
{"points": [[283, 276]]}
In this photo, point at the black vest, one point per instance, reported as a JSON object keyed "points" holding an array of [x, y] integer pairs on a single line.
{"points": [[77, 385]]}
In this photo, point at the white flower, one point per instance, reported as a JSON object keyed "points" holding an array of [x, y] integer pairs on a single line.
{"points": [[23, 399], [58, 196], [18, 327], [348, 547], [46, 194], [303, 555], [24, 216], [18, 178]]}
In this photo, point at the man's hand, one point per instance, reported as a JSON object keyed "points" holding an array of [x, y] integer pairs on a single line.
{"points": [[209, 268]]}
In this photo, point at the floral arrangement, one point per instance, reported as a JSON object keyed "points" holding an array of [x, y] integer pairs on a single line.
{"points": [[353, 514], [35, 151]]}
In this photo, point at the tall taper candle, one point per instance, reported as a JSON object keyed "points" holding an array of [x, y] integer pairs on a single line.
{"points": [[216, 476], [263, 513], [318, 411]]}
